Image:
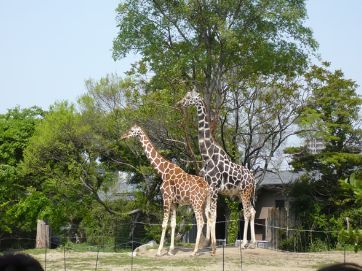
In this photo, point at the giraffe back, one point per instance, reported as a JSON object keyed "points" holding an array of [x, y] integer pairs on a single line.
{"points": [[227, 177], [184, 188]]}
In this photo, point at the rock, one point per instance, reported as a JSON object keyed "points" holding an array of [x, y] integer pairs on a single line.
{"points": [[145, 247]]}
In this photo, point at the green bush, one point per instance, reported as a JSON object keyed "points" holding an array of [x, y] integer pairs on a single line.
{"points": [[318, 245], [351, 238]]}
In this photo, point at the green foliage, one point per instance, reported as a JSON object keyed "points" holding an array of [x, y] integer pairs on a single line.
{"points": [[318, 245], [61, 161], [73, 158], [351, 237], [332, 109], [241, 57], [26, 212], [184, 37], [329, 189], [16, 128], [303, 241], [233, 225], [354, 184], [101, 228]]}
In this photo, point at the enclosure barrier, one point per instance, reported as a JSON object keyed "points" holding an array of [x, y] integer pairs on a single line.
{"points": [[127, 246]]}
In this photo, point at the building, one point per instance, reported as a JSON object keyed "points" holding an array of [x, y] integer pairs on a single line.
{"points": [[273, 206], [314, 145], [272, 211]]}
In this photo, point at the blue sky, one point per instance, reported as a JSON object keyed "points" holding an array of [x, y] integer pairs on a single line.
{"points": [[48, 48]]}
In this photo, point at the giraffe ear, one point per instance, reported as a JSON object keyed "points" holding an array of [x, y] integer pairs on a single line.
{"points": [[193, 91]]}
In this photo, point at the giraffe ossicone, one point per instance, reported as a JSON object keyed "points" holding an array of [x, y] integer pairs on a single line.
{"points": [[177, 188], [224, 176]]}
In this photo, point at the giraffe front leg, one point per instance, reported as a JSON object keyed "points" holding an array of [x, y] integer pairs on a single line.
{"points": [[166, 212], [246, 209], [213, 233], [173, 227], [208, 225], [252, 228], [245, 235], [212, 223], [208, 234]]}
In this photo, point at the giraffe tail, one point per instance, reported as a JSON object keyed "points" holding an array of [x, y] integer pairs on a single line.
{"points": [[207, 205], [254, 196]]}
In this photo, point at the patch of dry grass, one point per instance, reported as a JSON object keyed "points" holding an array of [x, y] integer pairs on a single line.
{"points": [[250, 259]]}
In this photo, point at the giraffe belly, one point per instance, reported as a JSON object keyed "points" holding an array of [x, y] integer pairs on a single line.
{"points": [[179, 200], [183, 203], [229, 190]]}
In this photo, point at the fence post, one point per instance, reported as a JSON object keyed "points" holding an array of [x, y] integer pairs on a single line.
{"points": [[132, 245], [344, 246], [65, 262], [45, 259], [223, 257], [241, 251], [97, 259], [241, 257]]}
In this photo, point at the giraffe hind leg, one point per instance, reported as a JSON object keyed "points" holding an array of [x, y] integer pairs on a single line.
{"points": [[213, 234], [212, 225], [208, 225], [173, 227], [249, 217], [200, 224], [166, 214]]}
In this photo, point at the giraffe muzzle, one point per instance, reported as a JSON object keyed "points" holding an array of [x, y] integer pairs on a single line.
{"points": [[181, 104], [124, 137]]}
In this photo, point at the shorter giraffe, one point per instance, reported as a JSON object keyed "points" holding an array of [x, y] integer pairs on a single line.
{"points": [[177, 187]]}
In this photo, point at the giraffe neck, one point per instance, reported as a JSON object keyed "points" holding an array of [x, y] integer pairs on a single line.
{"points": [[205, 137], [153, 156], [207, 143]]}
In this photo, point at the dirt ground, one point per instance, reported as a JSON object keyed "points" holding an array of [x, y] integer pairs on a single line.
{"points": [[249, 260]]}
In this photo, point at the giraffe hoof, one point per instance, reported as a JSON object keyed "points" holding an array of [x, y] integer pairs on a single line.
{"points": [[243, 246], [170, 253], [195, 254], [206, 243], [158, 254], [251, 245]]}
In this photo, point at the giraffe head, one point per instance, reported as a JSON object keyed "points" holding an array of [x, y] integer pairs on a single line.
{"points": [[135, 131], [191, 98]]}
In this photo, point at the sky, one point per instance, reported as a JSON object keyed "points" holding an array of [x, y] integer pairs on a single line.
{"points": [[49, 48]]}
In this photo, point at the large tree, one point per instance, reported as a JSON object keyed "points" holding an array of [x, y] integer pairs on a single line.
{"points": [[231, 51], [322, 198], [62, 161], [210, 43], [16, 128], [242, 55]]}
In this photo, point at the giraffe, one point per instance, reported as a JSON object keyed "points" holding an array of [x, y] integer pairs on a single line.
{"points": [[177, 188], [224, 176]]}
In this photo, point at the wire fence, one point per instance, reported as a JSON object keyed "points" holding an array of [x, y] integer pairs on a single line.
{"points": [[66, 246]]}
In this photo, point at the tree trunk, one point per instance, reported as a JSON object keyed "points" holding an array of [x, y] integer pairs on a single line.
{"points": [[42, 235]]}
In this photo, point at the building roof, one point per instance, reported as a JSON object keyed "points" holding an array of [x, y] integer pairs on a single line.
{"points": [[279, 178]]}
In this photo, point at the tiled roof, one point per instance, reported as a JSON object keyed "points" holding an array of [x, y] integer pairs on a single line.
{"points": [[278, 178]]}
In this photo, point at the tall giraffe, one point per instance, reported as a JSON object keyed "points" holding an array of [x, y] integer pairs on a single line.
{"points": [[177, 187], [224, 176]]}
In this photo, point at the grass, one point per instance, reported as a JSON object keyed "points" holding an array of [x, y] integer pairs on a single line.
{"points": [[84, 257], [78, 259]]}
